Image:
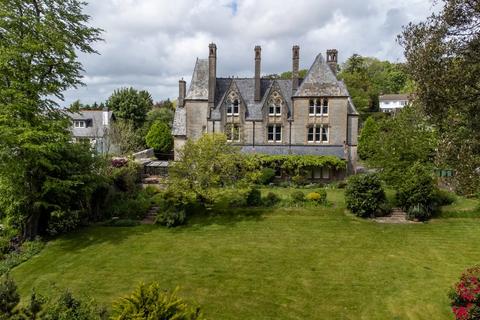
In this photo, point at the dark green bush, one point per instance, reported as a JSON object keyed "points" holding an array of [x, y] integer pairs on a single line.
{"points": [[171, 218], [126, 178], [254, 198], [63, 222], [152, 191], [152, 300], [267, 176], [297, 196], [128, 206], [270, 199], [418, 193], [384, 209], [9, 297], [364, 194], [444, 198]]}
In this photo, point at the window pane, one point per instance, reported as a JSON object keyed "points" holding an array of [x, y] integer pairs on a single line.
{"points": [[325, 102], [310, 134], [324, 134], [318, 109], [325, 110], [278, 135], [270, 133], [277, 111], [271, 110], [235, 109], [311, 103], [317, 134], [236, 133], [311, 110]]}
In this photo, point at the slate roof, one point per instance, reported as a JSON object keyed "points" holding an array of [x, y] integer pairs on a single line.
{"points": [[179, 122], [299, 150], [394, 97], [94, 121], [246, 88], [321, 81], [198, 89]]}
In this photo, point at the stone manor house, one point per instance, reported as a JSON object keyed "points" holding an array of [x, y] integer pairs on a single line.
{"points": [[310, 116]]}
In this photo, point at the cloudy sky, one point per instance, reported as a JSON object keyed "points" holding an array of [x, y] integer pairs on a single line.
{"points": [[151, 44]]}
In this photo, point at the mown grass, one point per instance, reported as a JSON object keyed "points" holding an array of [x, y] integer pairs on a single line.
{"points": [[280, 263]]}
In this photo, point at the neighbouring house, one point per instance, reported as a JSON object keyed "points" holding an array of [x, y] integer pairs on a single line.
{"points": [[310, 116], [92, 126], [391, 103]]}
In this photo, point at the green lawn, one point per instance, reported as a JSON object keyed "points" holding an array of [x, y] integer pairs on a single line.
{"points": [[299, 263]]}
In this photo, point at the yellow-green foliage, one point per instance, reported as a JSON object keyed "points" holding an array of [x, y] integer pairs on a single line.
{"points": [[292, 163], [318, 197], [149, 302]]}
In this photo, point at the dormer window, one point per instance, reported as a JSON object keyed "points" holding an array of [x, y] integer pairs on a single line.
{"points": [[275, 110], [318, 107], [232, 108], [79, 124]]}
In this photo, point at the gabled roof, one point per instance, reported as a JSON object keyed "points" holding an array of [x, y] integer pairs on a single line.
{"points": [[95, 128], [246, 89], [198, 89], [321, 81]]}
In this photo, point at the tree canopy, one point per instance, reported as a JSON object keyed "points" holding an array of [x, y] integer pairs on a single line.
{"points": [[159, 137], [367, 78], [130, 104], [443, 59], [38, 61]]}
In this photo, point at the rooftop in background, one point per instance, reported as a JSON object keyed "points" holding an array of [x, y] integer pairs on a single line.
{"points": [[394, 97]]}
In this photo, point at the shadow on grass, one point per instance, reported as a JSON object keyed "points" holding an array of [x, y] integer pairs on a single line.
{"points": [[96, 235], [228, 218]]}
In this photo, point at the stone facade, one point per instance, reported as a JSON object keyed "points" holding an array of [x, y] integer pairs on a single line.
{"points": [[314, 115]]}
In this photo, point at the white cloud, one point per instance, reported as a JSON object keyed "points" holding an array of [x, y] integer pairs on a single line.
{"points": [[151, 44]]}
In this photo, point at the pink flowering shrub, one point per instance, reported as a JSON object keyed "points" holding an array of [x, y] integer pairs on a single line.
{"points": [[465, 296]]}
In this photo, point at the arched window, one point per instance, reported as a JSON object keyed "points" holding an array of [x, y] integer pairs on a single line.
{"points": [[275, 109], [318, 107], [232, 108]]}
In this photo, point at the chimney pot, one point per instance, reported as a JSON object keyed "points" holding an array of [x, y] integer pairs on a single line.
{"points": [[258, 59], [332, 60]]}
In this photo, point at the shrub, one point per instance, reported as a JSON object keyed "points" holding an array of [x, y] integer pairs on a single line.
{"points": [[27, 250], [152, 191], [299, 180], [159, 137], [418, 190], [465, 296], [125, 178], [69, 307], [267, 175], [128, 206], [157, 304], [443, 197], [317, 197], [254, 198], [385, 209], [271, 199], [62, 222], [171, 218], [364, 194], [297, 196], [9, 297]]}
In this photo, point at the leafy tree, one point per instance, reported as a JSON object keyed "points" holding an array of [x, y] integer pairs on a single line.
{"points": [[149, 302], [69, 307], [131, 105], [367, 141], [366, 78], [123, 135], [38, 61], [443, 60], [164, 115], [209, 162], [288, 74], [398, 143], [160, 138]]}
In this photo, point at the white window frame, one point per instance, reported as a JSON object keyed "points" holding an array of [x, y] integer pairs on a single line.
{"points": [[277, 128], [230, 128], [317, 134], [318, 105], [231, 108], [275, 107], [79, 124]]}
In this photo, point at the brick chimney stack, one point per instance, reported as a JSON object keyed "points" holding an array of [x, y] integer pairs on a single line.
{"points": [[332, 56], [212, 74], [258, 59], [295, 67]]}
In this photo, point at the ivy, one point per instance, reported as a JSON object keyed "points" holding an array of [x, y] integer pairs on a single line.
{"points": [[296, 163]]}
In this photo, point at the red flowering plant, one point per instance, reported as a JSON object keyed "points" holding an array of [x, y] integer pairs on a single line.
{"points": [[465, 296]]}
